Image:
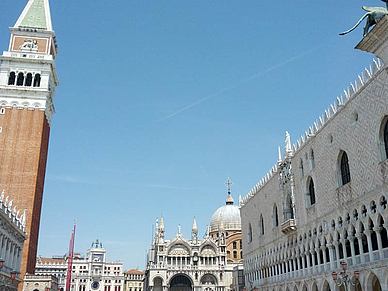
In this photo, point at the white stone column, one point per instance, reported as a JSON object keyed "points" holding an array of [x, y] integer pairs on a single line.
{"points": [[336, 245], [309, 271], [323, 249], [360, 247], [343, 243], [313, 268], [294, 265], [298, 263], [370, 248], [378, 230], [331, 255], [353, 253]]}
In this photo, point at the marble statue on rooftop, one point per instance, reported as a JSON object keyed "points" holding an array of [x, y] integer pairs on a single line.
{"points": [[373, 16]]}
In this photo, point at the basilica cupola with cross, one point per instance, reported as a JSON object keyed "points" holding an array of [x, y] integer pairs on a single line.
{"points": [[28, 80], [225, 224]]}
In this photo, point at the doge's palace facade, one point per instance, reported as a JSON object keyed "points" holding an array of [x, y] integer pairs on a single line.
{"points": [[325, 201]]}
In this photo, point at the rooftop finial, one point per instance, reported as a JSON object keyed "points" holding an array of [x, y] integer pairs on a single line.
{"points": [[287, 148], [228, 183], [280, 155], [195, 228], [161, 225], [229, 199]]}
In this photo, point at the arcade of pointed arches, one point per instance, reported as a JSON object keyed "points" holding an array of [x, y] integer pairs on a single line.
{"points": [[357, 237]]}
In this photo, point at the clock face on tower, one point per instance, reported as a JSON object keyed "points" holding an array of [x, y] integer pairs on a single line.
{"points": [[95, 285]]}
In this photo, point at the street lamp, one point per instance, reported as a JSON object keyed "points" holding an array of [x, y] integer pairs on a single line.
{"points": [[344, 278]]}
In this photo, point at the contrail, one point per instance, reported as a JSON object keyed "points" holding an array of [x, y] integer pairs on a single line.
{"points": [[243, 81]]}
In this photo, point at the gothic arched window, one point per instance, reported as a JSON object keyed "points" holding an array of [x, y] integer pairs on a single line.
{"points": [[37, 80], [312, 161], [311, 192], [29, 79], [301, 170], [261, 225], [11, 79], [345, 172], [20, 80], [275, 216], [249, 233], [288, 212]]}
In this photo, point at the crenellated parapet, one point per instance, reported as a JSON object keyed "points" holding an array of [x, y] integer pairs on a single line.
{"points": [[17, 218], [348, 94], [334, 108]]}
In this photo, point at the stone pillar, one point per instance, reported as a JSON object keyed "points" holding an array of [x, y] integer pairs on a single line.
{"points": [[378, 230], [312, 254], [294, 264], [369, 239], [304, 264], [336, 245], [286, 268], [308, 262], [298, 263], [343, 243], [353, 253], [360, 246], [323, 249], [331, 256]]}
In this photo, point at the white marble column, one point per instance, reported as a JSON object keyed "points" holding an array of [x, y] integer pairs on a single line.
{"points": [[370, 248], [352, 250], [378, 230], [360, 247]]}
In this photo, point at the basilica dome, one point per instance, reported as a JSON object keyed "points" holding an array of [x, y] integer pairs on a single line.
{"points": [[226, 217]]}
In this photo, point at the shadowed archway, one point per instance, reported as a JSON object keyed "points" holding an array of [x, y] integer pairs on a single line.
{"points": [[181, 283]]}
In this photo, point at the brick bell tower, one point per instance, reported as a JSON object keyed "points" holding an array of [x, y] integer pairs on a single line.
{"points": [[27, 86]]}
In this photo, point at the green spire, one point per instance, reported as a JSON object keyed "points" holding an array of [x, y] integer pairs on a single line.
{"points": [[36, 14]]}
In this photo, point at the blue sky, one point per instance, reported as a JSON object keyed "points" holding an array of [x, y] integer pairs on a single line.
{"points": [[160, 101]]}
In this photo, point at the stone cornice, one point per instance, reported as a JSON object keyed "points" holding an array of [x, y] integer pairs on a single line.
{"points": [[376, 40]]}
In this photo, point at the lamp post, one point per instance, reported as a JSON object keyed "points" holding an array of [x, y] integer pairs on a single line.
{"points": [[343, 278]]}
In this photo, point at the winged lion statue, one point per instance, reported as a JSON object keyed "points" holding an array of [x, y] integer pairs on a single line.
{"points": [[373, 16]]}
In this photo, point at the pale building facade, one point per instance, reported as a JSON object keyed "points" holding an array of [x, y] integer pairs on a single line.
{"points": [[90, 273], [133, 280], [95, 273], [40, 283], [12, 237], [325, 201], [194, 264], [55, 266]]}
